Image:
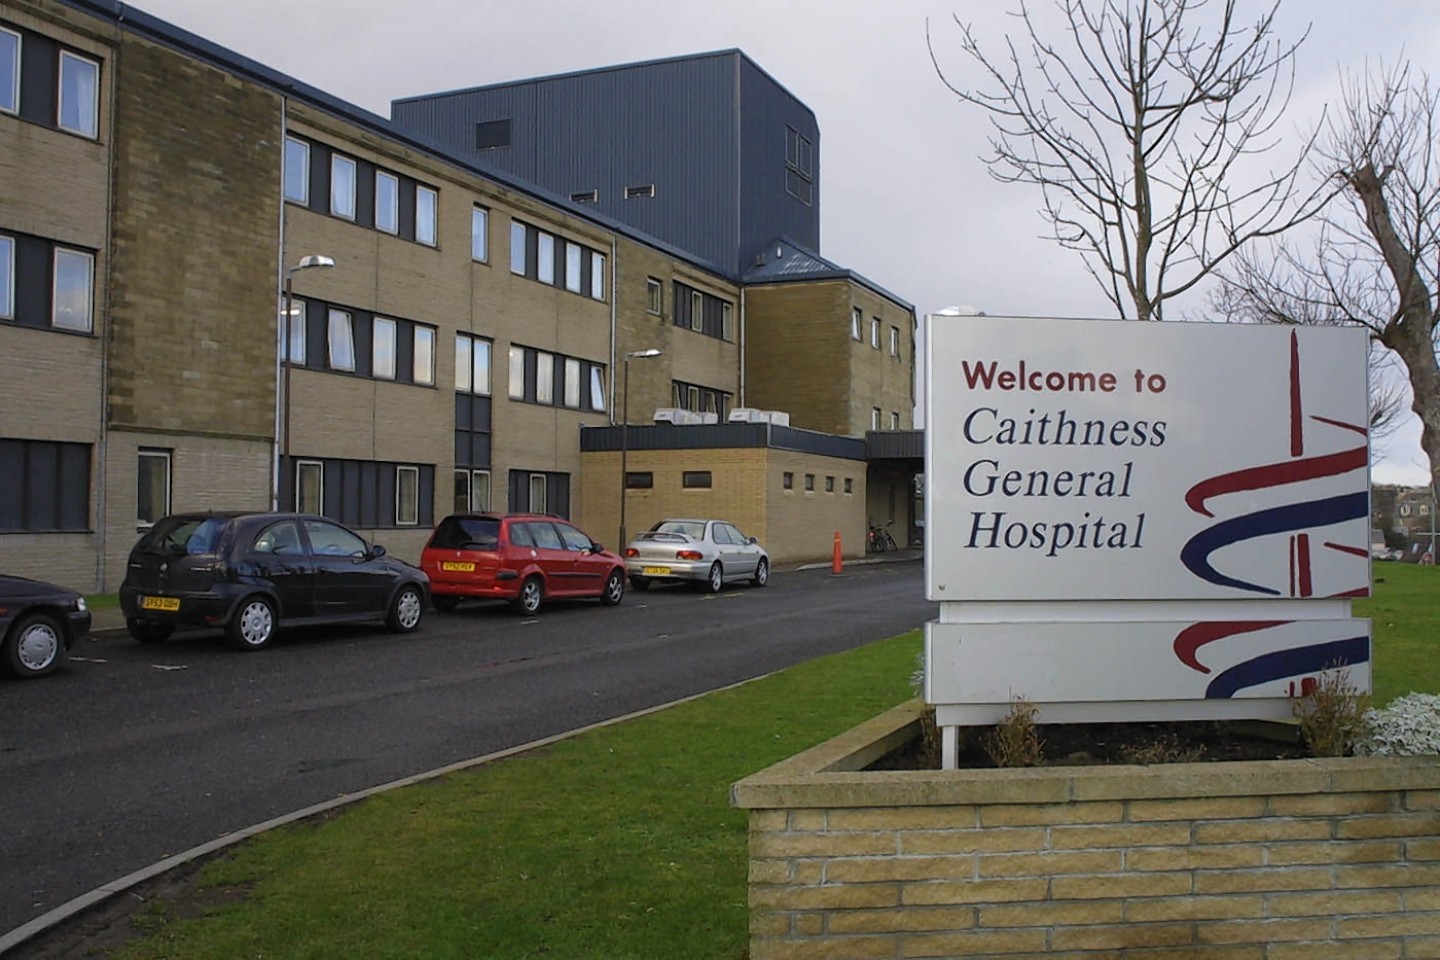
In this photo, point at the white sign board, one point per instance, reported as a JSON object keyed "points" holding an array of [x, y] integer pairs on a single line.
{"points": [[1086, 459]]}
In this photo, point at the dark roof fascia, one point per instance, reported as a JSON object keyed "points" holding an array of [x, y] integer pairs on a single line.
{"points": [[722, 436], [167, 34]]}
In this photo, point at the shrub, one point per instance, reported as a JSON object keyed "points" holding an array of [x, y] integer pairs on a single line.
{"points": [[1408, 727], [1015, 740], [1332, 714]]}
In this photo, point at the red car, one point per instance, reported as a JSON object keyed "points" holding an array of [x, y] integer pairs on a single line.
{"points": [[523, 558]]}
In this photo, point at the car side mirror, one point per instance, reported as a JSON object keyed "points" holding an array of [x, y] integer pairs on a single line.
{"points": [[376, 551], [753, 542], [597, 547]]}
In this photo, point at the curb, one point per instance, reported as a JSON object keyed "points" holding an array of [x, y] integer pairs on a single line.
{"points": [[53, 918]]}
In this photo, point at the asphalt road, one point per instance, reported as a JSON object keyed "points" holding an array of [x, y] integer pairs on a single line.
{"points": [[137, 752]]}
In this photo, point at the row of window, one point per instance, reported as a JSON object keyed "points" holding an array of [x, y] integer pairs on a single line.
{"points": [[536, 374], [787, 481], [363, 493], [634, 192], [689, 480], [362, 343], [857, 327], [47, 83], [696, 310], [875, 421], [553, 260], [329, 181], [45, 284], [698, 399]]}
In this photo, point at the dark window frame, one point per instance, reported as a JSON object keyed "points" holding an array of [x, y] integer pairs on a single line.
{"points": [[48, 486], [697, 480]]}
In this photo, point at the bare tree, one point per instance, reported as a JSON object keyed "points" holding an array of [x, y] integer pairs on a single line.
{"points": [[1375, 261], [1144, 130]]}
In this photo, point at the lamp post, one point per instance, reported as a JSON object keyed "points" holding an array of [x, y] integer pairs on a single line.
{"points": [[625, 433], [310, 262]]}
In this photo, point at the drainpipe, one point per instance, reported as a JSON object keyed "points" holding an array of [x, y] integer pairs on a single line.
{"points": [[742, 348], [614, 271], [280, 328], [101, 491]]}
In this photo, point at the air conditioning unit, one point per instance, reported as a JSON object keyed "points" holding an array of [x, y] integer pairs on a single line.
{"points": [[746, 415], [677, 416], [778, 417]]}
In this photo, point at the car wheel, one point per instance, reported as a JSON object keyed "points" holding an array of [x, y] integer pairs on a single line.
{"points": [[406, 609], [717, 578], [253, 625], [762, 573], [147, 631], [614, 589], [531, 593], [445, 604], [639, 583], [35, 647]]}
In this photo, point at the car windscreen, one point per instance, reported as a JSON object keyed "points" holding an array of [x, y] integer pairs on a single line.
{"points": [[467, 533], [692, 529], [196, 536]]}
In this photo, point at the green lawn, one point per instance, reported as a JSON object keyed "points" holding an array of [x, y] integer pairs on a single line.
{"points": [[616, 844]]}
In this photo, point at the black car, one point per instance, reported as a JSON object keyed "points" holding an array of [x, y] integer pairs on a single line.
{"points": [[251, 573], [39, 623]]}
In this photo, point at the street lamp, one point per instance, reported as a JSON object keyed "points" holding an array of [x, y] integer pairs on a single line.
{"points": [[625, 433], [310, 262]]}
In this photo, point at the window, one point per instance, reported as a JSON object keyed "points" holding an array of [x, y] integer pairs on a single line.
{"points": [[585, 196], [701, 399], [642, 190], [874, 418], [387, 202], [829, 484], [382, 354], [799, 166], [282, 539], [727, 321], [424, 369], [597, 276], [597, 388], [47, 486], [857, 325], [472, 364], [787, 480], [152, 485], [426, 213], [74, 274], [9, 71], [695, 479], [309, 487], [545, 259], [544, 377], [517, 373], [875, 333], [810, 482], [297, 170], [295, 351], [79, 95], [341, 341], [407, 496], [573, 255], [575, 541], [7, 275], [537, 494], [492, 133], [328, 540], [697, 310], [472, 490], [342, 186], [480, 234], [849, 485], [517, 248], [654, 296], [640, 480], [894, 420], [572, 382], [895, 341]]}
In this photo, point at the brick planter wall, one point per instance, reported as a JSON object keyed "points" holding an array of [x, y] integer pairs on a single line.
{"points": [[1255, 859]]}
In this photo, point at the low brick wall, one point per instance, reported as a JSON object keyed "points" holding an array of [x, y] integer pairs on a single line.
{"points": [[1255, 859]]}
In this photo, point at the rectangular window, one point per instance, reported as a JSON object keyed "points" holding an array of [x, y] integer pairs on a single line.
{"points": [[426, 215], [695, 479], [342, 186], [640, 480], [9, 71], [727, 321], [894, 341], [585, 196], [829, 484], [480, 490], [461, 501], [382, 353], [475, 355], [47, 486], [573, 256], [787, 480], [572, 382], [654, 295], [857, 325], [341, 339], [492, 133], [464, 371], [407, 496], [545, 259], [152, 486], [597, 388], [810, 482], [597, 276], [517, 247], [310, 487], [544, 377], [480, 234], [537, 493], [74, 277], [387, 202], [297, 170], [875, 333], [424, 371], [7, 278], [517, 373], [643, 190], [894, 420], [296, 336], [79, 106], [849, 485], [874, 418], [697, 310]]}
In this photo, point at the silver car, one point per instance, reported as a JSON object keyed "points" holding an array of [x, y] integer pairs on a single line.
{"points": [[711, 552]]}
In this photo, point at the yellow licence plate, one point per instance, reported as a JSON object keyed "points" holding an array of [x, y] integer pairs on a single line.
{"points": [[657, 571], [452, 566], [160, 603]]}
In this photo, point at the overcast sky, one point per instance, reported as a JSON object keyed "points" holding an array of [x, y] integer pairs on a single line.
{"points": [[905, 198]]}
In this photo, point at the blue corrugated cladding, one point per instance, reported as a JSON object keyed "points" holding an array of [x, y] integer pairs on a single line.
{"points": [[451, 118], [768, 210]]}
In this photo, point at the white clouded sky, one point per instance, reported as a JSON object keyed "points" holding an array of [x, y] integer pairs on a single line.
{"points": [[905, 198]]}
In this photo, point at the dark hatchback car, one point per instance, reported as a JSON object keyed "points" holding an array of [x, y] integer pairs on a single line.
{"points": [[39, 622], [251, 573]]}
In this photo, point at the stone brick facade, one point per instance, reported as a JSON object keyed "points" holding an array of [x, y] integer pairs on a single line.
{"points": [[1257, 859]]}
